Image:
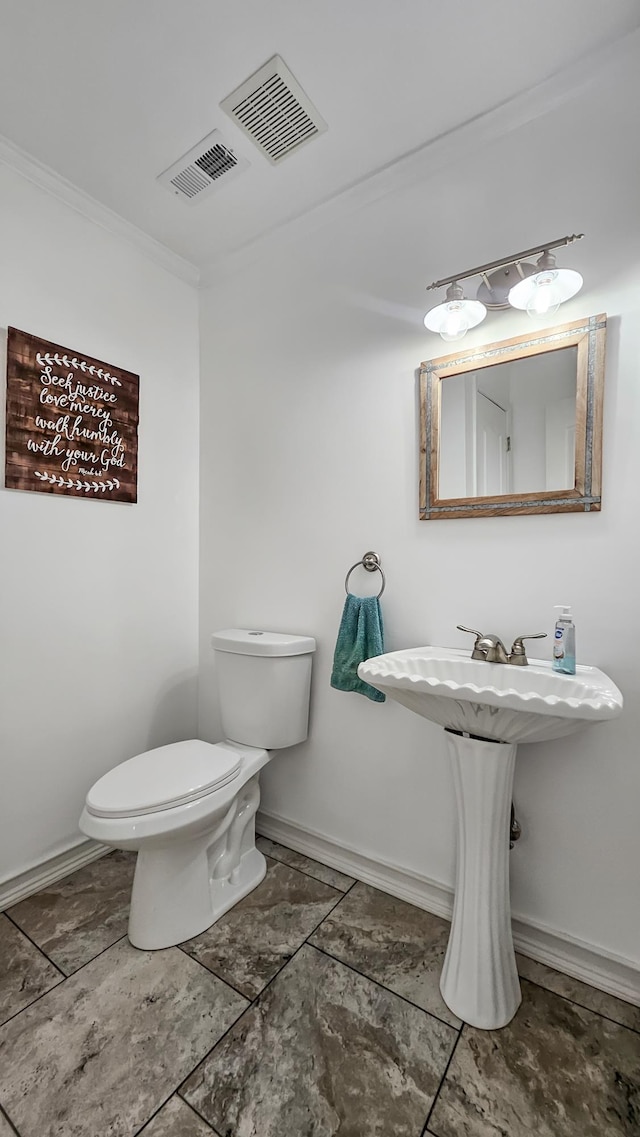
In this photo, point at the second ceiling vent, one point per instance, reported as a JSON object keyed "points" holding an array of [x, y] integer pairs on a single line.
{"points": [[203, 169], [274, 111]]}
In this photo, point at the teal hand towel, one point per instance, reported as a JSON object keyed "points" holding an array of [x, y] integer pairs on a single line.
{"points": [[360, 636]]}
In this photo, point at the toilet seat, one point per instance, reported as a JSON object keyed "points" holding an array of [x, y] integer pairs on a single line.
{"points": [[163, 778]]}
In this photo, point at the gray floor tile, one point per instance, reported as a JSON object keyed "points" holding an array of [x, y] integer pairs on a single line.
{"points": [[25, 973], [392, 942], [249, 944], [590, 997], [78, 917], [324, 1051], [176, 1119], [557, 1070], [6, 1130], [99, 1054], [305, 864]]}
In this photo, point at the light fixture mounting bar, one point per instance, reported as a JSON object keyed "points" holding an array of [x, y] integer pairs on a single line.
{"points": [[512, 260]]}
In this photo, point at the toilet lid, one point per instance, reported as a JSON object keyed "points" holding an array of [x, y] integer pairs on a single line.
{"points": [[162, 778]]}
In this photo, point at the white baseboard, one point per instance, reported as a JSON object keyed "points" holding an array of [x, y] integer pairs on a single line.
{"points": [[613, 974], [36, 878]]}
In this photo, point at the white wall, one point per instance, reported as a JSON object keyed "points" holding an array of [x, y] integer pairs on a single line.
{"points": [[310, 457], [98, 627]]}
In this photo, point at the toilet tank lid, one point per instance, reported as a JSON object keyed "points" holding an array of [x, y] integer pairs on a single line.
{"points": [[241, 641]]}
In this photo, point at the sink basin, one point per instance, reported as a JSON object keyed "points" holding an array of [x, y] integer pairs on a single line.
{"points": [[492, 707], [493, 700]]}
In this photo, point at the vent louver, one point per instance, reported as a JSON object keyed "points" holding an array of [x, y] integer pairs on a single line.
{"points": [[274, 111], [203, 169]]}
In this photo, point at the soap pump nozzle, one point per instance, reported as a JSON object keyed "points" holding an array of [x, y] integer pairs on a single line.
{"points": [[565, 612]]}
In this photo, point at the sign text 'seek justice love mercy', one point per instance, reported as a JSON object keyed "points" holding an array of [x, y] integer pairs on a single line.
{"points": [[72, 422]]}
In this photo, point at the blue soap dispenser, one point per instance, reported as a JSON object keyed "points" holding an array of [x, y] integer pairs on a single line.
{"points": [[564, 643]]}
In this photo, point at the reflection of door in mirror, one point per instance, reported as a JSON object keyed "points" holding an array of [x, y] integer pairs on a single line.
{"points": [[475, 421], [492, 465], [509, 428]]}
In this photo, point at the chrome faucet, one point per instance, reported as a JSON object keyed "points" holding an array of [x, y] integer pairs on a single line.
{"points": [[491, 649]]}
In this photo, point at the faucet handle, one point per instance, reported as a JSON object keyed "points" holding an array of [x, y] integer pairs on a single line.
{"points": [[518, 654], [471, 631]]}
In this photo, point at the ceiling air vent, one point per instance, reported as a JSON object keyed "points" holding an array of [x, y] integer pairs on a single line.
{"points": [[207, 166], [274, 111]]}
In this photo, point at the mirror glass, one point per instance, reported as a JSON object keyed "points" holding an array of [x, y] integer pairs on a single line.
{"points": [[509, 428], [514, 426]]}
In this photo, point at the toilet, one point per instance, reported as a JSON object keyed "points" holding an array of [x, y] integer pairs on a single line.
{"points": [[188, 809]]}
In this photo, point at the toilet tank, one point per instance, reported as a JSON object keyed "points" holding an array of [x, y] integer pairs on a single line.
{"points": [[264, 681]]}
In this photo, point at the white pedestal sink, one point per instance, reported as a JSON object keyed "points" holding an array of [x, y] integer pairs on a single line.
{"points": [[492, 707]]}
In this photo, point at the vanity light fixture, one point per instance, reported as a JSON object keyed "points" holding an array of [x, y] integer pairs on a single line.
{"points": [[456, 315], [513, 282], [544, 291]]}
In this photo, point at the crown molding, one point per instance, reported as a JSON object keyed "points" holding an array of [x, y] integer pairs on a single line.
{"points": [[445, 150], [47, 179], [413, 167]]}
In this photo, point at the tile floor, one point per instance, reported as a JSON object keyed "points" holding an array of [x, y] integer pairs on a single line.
{"points": [[311, 1009]]}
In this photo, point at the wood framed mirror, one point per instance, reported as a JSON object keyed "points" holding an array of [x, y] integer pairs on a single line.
{"points": [[515, 426]]}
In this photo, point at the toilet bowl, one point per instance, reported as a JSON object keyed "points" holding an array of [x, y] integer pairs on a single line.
{"points": [[188, 808]]}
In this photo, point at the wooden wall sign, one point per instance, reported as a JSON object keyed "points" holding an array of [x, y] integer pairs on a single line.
{"points": [[72, 422]]}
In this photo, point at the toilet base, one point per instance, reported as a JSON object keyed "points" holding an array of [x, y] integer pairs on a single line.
{"points": [[181, 887]]}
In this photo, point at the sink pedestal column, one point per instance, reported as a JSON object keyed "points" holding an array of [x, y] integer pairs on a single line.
{"points": [[479, 980]]}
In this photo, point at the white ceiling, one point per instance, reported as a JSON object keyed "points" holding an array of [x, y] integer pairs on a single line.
{"points": [[110, 94]]}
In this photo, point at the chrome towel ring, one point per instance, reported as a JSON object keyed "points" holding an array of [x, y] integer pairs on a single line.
{"points": [[370, 562]]}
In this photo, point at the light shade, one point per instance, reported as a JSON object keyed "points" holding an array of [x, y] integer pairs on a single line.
{"points": [[453, 319], [544, 292]]}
